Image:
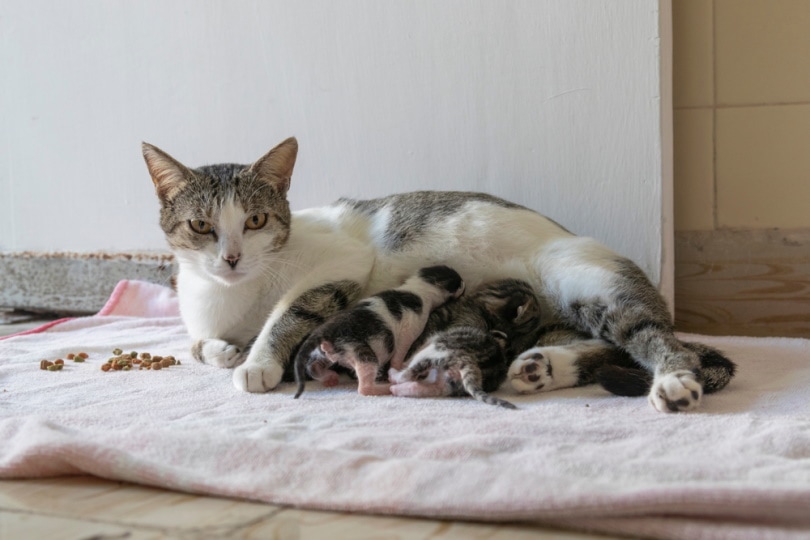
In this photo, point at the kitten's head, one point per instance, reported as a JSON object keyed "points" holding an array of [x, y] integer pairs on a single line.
{"points": [[225, 220], [513, 309]]}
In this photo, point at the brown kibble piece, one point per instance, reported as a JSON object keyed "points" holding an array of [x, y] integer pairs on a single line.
{"points": [[136, 360], [105, 367], [156, 365], [60, 361], [83, 355], [43, 364], [70, 356], [165, 362]]}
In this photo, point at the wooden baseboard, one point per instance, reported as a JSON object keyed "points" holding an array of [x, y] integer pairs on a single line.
{"points": [[754, 282], [73, 283]]}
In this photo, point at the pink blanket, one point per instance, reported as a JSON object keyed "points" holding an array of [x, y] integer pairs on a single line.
{"points": [[738, 468]]}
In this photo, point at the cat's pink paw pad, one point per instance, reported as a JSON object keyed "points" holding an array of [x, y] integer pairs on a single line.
{"points": [[531, 372]]}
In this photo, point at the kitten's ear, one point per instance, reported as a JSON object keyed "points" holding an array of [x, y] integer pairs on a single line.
{"points": [[276, 166], [526, 311], [168, 174]]}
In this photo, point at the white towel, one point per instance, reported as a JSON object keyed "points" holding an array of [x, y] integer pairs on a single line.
{"points": [[739, 467]]}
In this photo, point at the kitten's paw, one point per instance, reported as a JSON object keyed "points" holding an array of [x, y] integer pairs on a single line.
{"points": [[531, 372], [676, 392], [258, 378], [217, 352], [395, 376], [418, 389]]}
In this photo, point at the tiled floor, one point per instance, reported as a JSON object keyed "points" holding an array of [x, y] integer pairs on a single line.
{"points": [[91, 508]]}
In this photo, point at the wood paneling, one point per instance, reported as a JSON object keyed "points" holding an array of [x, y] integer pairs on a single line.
{"points": [[754, 282]]}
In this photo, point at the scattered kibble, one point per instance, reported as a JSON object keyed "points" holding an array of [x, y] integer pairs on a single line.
{"points": [[120, 362], [134, 360]]}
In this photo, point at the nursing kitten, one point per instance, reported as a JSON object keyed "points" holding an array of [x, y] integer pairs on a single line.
{"points": [[459, 361], [251, 271], [378, 330], [464, 348]]}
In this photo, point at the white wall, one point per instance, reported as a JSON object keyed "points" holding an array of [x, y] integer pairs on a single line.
{"points": [[554, 104]]}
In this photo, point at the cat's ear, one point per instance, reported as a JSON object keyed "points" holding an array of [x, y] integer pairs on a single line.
{"points": [[276, 166], [168, 174]]}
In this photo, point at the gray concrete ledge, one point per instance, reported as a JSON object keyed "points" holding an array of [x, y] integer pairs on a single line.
{"points": [[74, 283]]}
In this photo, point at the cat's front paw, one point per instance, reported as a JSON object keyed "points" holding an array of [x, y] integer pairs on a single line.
{"points": [[257, 377], [531, 372], [217, 352], [678, 391]]}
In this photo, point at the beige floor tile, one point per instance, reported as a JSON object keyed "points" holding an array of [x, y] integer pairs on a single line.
{"points": [[24, 526], [761, 51], [692, 59], [101, 500], [763, 164], [694, 169], [294, 524]]}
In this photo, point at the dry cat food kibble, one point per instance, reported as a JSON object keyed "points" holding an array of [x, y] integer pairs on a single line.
{"points": [[120, 362], [128, 361], [59, 364]]}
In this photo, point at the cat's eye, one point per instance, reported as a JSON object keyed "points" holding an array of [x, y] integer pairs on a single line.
{"points": [[199, 226], [256, 221]]}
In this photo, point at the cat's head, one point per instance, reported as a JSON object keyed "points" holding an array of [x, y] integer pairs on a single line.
{"points": [[225, 220]]}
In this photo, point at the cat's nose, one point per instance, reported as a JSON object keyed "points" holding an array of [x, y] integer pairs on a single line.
{"points": [[232, 260]]}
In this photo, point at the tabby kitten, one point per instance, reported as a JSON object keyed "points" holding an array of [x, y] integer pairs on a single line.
{"points": [[460, 361], [378, 330], [250, 271], [468, 341]]}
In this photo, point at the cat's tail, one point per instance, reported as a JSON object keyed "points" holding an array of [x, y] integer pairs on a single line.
{"points": [[716, 371]]}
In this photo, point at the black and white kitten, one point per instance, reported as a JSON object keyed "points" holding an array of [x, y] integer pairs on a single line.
{"points": [[378, 330]]}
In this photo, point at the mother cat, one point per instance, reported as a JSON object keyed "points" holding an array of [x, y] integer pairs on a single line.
{"points": [[251, 273]]}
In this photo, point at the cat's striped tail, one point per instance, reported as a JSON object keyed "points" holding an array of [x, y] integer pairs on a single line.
{"points": [[716, 371]]}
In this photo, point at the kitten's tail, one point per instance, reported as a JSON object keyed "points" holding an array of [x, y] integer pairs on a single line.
{"points": [[716, 371], [301, 364], [471, 380]]}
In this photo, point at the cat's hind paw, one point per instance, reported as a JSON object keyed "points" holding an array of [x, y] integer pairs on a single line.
{"points": [[217, 352], [531, 372], [257, 378], [678, 391]]}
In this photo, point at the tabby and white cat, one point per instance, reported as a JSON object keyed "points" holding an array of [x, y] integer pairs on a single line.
{"points": [[379, 330], [250, 271]]}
